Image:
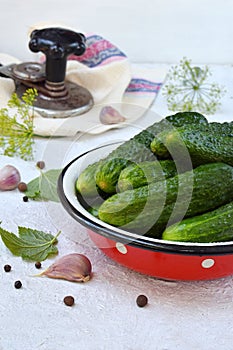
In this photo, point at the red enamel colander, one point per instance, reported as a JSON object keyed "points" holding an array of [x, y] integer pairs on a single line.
{"points": [[150, 256]]}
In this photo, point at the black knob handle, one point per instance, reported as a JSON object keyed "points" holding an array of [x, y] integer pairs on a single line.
{"points": [[56, 44]]}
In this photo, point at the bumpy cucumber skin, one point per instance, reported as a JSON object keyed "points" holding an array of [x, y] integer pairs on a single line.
{"points": [[214, 226], [112, 168], [203, 145], [137, 149], [85, 183], [149, 209], [207, 147], [144, 173], [186, 118], [223, 129]]}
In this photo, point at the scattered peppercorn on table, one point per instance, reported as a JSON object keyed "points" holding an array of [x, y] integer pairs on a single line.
{"points": [[116, 308]]}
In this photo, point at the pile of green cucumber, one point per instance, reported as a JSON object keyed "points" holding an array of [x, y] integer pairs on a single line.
{"points": [[172, 181]]}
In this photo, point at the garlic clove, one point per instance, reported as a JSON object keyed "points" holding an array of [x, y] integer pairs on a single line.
{"points": [[9, 178], [72, 267], [109, 115]]}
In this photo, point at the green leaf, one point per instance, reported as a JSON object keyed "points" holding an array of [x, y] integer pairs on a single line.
{"points": [[44, 187], [30, 244]]}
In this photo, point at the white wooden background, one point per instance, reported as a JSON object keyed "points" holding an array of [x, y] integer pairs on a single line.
{"points": [[146, 30]]}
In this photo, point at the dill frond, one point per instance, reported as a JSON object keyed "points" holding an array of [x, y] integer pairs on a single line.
{"points": [[188, 89], [16, 126]]}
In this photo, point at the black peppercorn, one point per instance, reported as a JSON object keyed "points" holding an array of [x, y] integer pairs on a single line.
{"points": [[141, 300], [7, 268], [18, 284], [38, 264], [69, 300], [40, 164], [25, 198]]}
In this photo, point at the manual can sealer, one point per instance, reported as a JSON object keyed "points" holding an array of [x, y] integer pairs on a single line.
{"points": [[56, 98]]}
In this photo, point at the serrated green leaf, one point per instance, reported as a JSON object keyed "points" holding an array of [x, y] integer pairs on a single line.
{"points": [[32, 235], [44, 187], [30, 244]]}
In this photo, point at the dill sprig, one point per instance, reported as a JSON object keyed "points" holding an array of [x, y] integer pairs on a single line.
{"points": [[188, 89], [16, 126]]}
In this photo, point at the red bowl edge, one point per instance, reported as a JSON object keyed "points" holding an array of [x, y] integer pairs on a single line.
{"points": [[162, 265]]}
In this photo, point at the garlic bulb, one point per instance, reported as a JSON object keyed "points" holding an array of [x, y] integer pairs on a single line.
{"points": [[72, 267], [9, 178], [109, 115]]}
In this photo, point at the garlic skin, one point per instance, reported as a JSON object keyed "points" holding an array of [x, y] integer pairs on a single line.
{"points": [[109, 115], [72, 267], [9, 178]]}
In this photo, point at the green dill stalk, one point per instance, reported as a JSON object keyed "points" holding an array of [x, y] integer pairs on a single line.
{"points": [[16, 126]]}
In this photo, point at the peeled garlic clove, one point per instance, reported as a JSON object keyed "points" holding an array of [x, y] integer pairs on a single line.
{"points": [[72, 267], [109, 115], [9, 178]]}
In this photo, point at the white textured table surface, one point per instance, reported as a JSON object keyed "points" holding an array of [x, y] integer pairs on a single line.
{"points": [[179, 315]]}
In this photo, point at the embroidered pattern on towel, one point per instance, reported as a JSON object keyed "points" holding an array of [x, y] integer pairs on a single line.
{"points": [[143, 85], [99, 51]]}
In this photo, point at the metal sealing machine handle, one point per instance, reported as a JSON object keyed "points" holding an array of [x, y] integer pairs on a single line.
{"points": [[56, 98]]}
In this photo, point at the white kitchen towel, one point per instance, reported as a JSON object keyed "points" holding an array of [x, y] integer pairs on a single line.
{"points": [[107, 73]]}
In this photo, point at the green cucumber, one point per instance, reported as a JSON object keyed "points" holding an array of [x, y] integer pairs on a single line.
{"points": [[138, 149], [203, 145], [214, 226], [111, 167], [149, 209], [85, 183], [144, 173]]}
